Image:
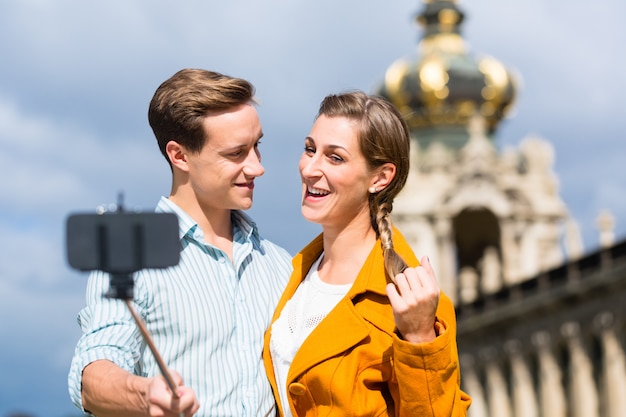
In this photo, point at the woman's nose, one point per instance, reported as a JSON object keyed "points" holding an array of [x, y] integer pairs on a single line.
{"points": [[309, 166]]}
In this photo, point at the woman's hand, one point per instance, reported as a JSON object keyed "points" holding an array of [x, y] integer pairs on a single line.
{"points": [[414, 300]]}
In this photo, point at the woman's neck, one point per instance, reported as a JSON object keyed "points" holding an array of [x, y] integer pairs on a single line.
{"points": [[345, 252]]}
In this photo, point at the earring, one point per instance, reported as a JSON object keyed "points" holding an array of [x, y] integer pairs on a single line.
{"points": [[373, 190]]}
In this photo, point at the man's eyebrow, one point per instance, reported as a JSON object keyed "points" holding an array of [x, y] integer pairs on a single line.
{"points": [[243, 145]]}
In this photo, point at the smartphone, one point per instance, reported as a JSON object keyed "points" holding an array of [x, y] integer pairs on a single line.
{"points": [[122, 242]]}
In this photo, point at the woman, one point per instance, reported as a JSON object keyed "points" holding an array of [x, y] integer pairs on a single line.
{"points": [[356, 332]]}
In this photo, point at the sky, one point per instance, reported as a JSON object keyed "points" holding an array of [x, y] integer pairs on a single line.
{"points": [[76, 78]]}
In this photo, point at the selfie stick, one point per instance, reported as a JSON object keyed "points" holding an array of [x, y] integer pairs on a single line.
{"points": [[146, 335], [121, 243], [121, 284]]}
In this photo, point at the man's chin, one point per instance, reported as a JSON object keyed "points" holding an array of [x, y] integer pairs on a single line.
{"points": [[244, 205]]}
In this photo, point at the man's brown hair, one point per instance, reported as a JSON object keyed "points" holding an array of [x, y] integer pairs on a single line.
{"points": [[181, 103]]}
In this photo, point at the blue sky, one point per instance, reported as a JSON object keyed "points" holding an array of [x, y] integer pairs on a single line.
{"points": [[76, 78]]}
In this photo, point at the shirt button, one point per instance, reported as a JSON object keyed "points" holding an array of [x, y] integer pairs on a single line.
{"points": [[297, 389], [222, 260]]}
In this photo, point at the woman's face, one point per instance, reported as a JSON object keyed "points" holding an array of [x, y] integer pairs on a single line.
{"points": [[335, 175]]}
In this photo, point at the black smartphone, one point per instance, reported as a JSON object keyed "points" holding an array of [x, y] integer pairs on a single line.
{"points": [[122, 242]]}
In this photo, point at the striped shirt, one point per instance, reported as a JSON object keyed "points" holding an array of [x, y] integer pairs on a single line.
{"points": [[206, 315]]}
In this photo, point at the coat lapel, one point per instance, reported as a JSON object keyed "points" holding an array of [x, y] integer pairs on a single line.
{"points": [[347, 324]]}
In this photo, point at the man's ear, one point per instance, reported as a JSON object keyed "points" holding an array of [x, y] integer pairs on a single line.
{"points": [[177, 155], [383, 176]]}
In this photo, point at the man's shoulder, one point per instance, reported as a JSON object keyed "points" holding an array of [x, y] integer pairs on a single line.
{"points": [[244, 222], [275, 247], [270, 245]]}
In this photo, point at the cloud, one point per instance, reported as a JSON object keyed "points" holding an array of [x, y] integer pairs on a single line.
{"points": [[50, 154], [53, 169]]}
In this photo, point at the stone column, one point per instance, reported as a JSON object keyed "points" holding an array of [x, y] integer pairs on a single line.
{"points": [[524, 397], [490, 271], [613, 387], [582, 390], [447, 260], [552, 402], [510, 249], [473, 387], [498, 402], [468, 284], [606, 225]]}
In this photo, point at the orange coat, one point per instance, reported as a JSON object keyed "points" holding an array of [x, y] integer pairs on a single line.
{"points": [[354, 364]]}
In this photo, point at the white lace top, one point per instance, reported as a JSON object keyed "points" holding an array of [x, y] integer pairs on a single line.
{"points": [[311, 302]]}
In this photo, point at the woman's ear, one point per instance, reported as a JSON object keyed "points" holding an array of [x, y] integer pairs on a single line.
{"points": [[383, 176], [177, 155]]}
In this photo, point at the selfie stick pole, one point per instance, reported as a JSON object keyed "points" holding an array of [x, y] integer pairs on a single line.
{"points": [[121, 287], [146, 335]]}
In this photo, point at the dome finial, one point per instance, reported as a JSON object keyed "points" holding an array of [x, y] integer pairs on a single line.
{"points": [[440, 16], [444, 87]]}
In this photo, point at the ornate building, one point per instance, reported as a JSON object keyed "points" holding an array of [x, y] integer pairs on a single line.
{"points": [[541, 326]]}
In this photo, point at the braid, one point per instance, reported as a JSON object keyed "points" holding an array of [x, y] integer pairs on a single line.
{"points": [[394, 264]]}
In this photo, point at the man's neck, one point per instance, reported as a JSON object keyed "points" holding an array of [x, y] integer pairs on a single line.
{"points": [[216, 224]]}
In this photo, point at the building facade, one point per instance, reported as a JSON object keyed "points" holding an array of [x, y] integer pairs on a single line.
{"points": [[541, 325]]}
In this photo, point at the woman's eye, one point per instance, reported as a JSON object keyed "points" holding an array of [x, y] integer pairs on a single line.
{"points": [[309, 149], [336, 158]]}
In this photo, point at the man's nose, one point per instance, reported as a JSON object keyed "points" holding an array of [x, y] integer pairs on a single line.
{"points": [[253, 167]]}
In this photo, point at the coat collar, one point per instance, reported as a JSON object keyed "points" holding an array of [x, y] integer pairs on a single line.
{"points": [[369, 278]]}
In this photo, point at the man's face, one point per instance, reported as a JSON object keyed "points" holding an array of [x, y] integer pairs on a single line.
{"points": [[222, 174]]}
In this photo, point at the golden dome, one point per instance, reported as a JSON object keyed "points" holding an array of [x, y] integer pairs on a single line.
{"points": [[443, 85]]}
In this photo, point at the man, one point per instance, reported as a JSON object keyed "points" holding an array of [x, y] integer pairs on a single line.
{"points": [[207, 315]]}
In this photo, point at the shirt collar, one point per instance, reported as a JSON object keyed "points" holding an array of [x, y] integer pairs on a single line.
{"points": [[186, 225], [244, 227]]}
